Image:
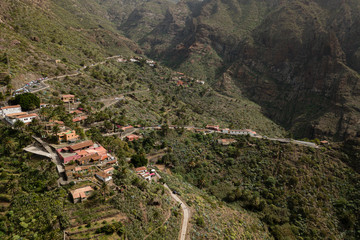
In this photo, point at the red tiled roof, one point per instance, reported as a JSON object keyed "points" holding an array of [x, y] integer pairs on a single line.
{"points": [[109, 169], [78, 119], [80, 192], [69, 95], [227, 140], [140, 169], [8, 107], [16, 114], [127, 127], [26, 115], [76, 111], [94, 157], [81, 145], [111, 162], [103, 174], [69, 167], [56, 121]]}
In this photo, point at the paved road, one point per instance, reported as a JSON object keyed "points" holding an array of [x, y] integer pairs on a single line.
{"points": [[186, 211], [186, 216], [35, 150], [120, 97], [67, 75], [282, 140]]}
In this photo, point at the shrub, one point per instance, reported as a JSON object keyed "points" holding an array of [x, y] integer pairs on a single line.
{"points": [[200, 221], [27, 101]]}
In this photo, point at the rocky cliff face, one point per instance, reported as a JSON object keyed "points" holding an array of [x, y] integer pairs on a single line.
{"points": [[302, 67], [298, 59]]}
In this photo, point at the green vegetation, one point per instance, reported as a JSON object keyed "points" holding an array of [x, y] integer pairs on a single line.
{"points": [[296, 191], [139, 160], [252, 189], [27, 101]]}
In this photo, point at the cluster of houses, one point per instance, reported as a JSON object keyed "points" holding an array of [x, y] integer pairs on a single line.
{"points": [[182, 80], [216, 128], [143, 172], [87, 159], [151, 63], [14, 113]]}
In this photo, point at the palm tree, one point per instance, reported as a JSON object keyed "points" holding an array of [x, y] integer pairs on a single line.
{"points": [[10, 145], [104, 189], [19, 125], [56, 129]]}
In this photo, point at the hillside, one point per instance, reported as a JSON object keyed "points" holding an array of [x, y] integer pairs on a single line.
{"points": [[298, 192], [34, 35], [297, 59], [150, 139]]}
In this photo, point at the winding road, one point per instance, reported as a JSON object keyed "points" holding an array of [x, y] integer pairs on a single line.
{"points": [[186, 211]]}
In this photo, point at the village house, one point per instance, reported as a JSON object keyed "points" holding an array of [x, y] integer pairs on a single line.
{"points": [[226, 142], [10, 110], [48, 126], [103, 176], [140, 170], [143, 172], [127, 128], [132, 137], [324, 142], [180, 83], [76, 112], [22, 116], [74, 171], [203, 131], [43, 105], [67, 136], [81, 194], [213, 127], [89, 159], [80, 118], [68, 98], [146, 176], [86, 152], [109, 170]]}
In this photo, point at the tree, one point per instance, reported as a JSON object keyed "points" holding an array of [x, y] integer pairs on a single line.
{"points": [[19, 125], [139, 160], [104, 189], [56, 129], [27, 101]]}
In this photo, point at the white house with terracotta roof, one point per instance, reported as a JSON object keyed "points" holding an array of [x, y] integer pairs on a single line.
{"points": [[103, 176], [140, 170], [21, 116], [81, 194], [10, 110]]}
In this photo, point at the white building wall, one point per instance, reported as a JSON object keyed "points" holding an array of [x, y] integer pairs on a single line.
{"points": [[7, 111]]}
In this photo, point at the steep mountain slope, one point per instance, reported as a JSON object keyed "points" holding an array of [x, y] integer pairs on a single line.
{"points": [[34, 34], [298, 59]]}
